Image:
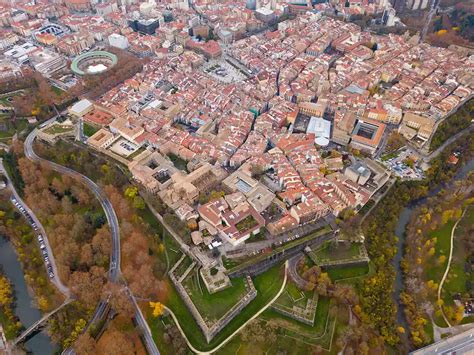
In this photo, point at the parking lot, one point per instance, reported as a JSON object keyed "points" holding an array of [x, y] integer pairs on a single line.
{"points": [[404, 166], [38, 234]]}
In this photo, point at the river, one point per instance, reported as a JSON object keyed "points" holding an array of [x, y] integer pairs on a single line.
{"points": [[40, 343], [403, 220]]}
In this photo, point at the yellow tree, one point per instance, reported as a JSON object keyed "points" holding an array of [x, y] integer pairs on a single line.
{"points": [[158, 308], [6, 293]]}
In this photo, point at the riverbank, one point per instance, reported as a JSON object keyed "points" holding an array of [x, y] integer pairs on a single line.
{"points": [[25, 308], [441, 176]]}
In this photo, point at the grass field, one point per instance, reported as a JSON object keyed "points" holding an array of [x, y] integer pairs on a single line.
{"points": [[229, 263], [457, 276], [293, 296], [436, 270], [347, 272], [157, 326], [89, 129], [178, 163], [292, 337], [183, 266], [213, 306], [267, 285], [319, 334], [12, 128], [58, 129], [331, 252]]}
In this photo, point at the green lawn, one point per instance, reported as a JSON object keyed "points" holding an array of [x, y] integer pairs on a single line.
{"points": [[229, 263], [183, 266], [294, 296], [213, 306], [89, 129], [429, 330], [390, 156], [178, 163], [332, 252], [443, 244], [157, 326], [457, 277], [58, 91], [267, 285], [304, 334], [58, 129], [12, 128], [347, 272]]}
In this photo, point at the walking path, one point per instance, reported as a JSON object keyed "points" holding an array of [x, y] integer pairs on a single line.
{"points": [[448, 265], [225, 341]]}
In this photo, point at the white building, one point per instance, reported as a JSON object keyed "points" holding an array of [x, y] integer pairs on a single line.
{"points": [[80, 108], [321, 129], [119, 41]]}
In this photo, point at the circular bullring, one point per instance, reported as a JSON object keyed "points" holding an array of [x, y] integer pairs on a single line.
{"points": [[94, 62]]}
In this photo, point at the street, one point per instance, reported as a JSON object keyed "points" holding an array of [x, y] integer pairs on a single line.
{"points": [[28, 213], [114, 267]]}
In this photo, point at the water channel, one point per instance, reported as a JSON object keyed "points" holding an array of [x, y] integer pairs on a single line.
{"points": [[403, 220], [39, 343]]}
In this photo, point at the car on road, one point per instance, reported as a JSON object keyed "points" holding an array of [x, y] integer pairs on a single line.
{"points": [[51, 275]]}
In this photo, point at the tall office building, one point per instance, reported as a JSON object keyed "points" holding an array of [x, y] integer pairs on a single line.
{"points": [[251, 4]]}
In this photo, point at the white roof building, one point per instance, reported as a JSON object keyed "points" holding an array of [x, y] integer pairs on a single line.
{"points": [[80, 108], [321, 129]]}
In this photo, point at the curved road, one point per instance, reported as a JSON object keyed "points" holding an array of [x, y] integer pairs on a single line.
{"points": [[55, 279], [114, 268]]}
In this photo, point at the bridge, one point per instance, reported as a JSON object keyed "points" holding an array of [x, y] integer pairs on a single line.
{"points": [[39, 323]]}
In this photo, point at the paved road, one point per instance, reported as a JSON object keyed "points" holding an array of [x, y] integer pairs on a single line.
{"points": [[424, 31], [55, 280], [435, 153], [462, 343], [114, 268], [256, 247], [142, 323]]}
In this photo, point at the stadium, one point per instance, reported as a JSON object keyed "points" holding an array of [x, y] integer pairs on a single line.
{"points": [[94, 62]]}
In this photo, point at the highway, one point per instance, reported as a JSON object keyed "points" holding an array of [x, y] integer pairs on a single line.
{"points": [[114, 267], [459, 344]]}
